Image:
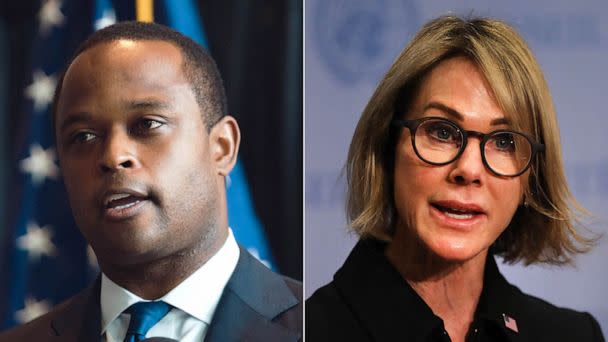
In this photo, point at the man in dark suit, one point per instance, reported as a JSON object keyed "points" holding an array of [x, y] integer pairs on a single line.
{"points": [[145, 144]]}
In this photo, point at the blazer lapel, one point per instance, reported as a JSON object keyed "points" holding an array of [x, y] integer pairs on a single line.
{"points": [[500, 303], [253, 297]]}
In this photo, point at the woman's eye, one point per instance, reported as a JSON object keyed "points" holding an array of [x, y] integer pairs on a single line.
{"points": [[441, 132], [505, 143]]}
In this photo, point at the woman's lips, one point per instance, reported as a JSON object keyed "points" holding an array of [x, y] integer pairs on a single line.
{"points": [[458, 215], [457, 206]]}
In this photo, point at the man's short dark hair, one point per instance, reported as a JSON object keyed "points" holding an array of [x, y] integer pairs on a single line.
{"points": [[198, 67]]}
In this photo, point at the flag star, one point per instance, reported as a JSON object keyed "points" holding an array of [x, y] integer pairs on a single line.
{"points": [[41, 90], [108, 18], [37, 241], [256, 254], [32, 310], [50, 15], [40, 164]]}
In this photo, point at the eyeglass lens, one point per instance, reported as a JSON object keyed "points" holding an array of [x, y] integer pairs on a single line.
{"points": [[439, 142]]}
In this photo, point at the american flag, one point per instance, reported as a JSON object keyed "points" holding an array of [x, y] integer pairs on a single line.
{"points": [[46, 260], [510, 323]]}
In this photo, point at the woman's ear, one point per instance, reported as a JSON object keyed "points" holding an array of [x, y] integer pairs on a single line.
{"points": [[224, 139]]}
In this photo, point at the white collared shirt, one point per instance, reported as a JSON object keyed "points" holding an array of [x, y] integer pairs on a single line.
{"points": [[194, 300]]}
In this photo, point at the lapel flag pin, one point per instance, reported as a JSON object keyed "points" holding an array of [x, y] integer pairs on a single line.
{"points": [[510, 323]]}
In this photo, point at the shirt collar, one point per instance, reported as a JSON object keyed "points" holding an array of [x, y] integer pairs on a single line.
{"points": [[198, 295]]}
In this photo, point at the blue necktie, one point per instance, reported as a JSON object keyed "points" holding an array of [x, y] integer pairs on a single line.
{"points": [[143, 317]]}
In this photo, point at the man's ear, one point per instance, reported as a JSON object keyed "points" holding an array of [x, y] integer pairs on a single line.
{"points": [[225, 138]]}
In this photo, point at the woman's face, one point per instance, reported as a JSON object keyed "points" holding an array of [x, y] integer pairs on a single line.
{"points": [[457, 210]]}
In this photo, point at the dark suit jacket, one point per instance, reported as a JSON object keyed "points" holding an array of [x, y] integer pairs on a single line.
{"points": [[368, 300], [257, 305]]}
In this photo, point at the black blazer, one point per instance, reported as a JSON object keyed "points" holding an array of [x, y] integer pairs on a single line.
{"points": [[257, 305], [368, 300]]}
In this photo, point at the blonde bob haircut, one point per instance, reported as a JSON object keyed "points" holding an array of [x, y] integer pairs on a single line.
{"points": [[541, 231]]}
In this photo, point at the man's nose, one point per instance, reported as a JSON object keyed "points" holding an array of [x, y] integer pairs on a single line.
{"points": [[119, 152]]}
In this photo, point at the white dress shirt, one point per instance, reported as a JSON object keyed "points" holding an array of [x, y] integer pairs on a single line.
{"points": [[194, 300]]}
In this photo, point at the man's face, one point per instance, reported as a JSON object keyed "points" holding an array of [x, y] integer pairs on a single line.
{"points": [[144, 178]]}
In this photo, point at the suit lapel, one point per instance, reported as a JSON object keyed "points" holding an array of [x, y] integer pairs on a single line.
{"points": [[81, 320], [253, 297], [91, 326]]}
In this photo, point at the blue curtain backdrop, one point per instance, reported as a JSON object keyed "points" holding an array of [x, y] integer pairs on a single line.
{"points": [[44, 257]]}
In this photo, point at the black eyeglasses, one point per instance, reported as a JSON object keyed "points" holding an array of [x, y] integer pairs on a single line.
{"points": [[439, 141]]}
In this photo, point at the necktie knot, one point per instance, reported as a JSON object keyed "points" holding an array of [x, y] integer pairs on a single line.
{"points": [[144, 315]]}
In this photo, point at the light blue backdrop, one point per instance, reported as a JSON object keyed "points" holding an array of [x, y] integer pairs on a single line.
{"points": [[350, 43]]}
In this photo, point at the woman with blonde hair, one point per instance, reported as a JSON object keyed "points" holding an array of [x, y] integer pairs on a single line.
{"points": [[455, 159]]}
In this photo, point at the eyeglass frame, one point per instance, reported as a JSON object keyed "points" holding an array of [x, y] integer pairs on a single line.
{"points": [[413, 125]]}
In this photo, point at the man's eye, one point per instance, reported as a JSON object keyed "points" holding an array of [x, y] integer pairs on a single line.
{"points": [[147, 125], [83, 137]]}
